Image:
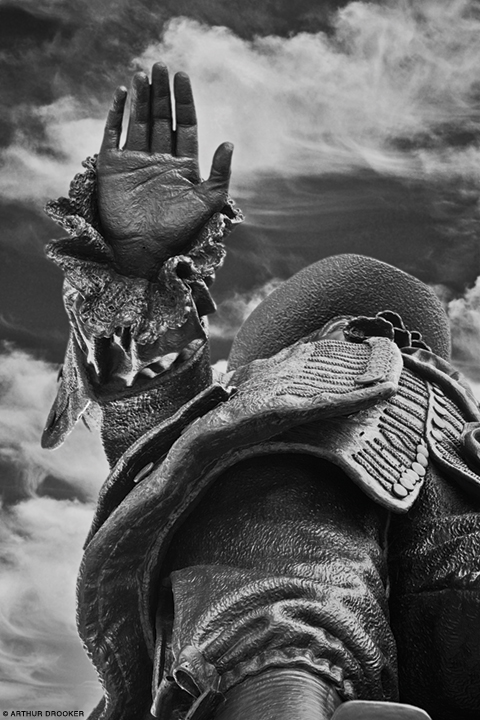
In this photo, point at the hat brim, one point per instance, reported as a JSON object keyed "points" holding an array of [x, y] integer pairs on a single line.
{"points": [[335, 286]]}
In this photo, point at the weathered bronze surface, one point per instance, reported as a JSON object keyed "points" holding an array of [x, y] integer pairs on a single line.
{"points": [[298, 538]]}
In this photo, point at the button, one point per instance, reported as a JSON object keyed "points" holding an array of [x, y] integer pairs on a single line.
{"points": [[143, 472], [419, 469], [399, 490], [422, 460], [370, 378], [407, 483], [440, 409], [423, 450], [437, 435], [438, 422], [411, 475]]}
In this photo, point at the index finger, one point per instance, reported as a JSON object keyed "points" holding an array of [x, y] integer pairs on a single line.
{"points": [[113, 125], [138, 131]]}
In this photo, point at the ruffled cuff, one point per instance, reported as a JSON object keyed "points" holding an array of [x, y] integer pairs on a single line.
{"points": [[108, 300], [125, 331]]}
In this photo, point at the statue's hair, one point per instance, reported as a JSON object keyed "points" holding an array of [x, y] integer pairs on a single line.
{"points": [[335, 286]]}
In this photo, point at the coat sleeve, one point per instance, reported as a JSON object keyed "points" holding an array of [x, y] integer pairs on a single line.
{"points": [[138, 350]]}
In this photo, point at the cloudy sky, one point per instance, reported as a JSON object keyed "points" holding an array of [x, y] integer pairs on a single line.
{"points": [[355, 128]]}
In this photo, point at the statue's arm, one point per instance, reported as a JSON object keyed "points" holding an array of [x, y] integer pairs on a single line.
{"points": [[144, 242]]}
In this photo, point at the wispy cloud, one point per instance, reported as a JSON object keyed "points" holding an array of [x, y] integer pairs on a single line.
{"points": [[232, 312], [380, 93], [27, 389], [41, 658], [464, 314], [39, 168]]}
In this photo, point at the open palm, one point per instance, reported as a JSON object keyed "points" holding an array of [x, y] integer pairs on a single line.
{"points": [[151, 201]]}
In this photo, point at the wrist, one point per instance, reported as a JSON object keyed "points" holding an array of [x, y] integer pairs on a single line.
{"points": [[133, 259], [134, 255]]}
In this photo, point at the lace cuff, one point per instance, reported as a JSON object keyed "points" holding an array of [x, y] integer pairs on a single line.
{"points": [[108, 300], [125, 330]]}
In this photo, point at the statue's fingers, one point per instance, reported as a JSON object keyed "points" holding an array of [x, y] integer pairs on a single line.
{"points": [[161, 138], [113, 126], [138, 133], [186, 140], [217, 183]]}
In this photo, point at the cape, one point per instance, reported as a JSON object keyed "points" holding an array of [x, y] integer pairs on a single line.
{"points": [[382, 415]]}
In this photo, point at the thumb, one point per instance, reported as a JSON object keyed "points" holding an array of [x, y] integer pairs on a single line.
{"points": [[217, 184]]}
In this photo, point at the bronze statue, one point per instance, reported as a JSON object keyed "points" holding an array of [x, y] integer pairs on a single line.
{"points": [[299, 537]]}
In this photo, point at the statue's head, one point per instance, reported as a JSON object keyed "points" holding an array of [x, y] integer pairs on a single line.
{"points": [[340, 286]]}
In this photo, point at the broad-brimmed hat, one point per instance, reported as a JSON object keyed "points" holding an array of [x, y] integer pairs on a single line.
{"points": [[342, 285]]}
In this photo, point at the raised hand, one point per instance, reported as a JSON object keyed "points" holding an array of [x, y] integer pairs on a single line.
{"points": [[151, 201]]}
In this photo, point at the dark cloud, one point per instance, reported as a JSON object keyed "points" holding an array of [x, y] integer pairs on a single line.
{"points": [[32, 315], [20, 29]]}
